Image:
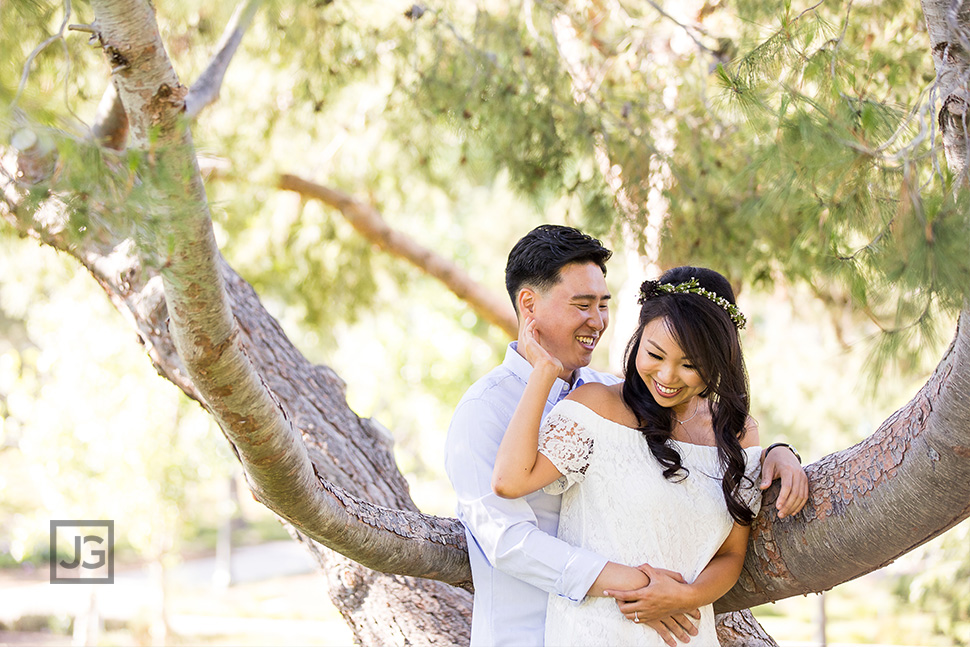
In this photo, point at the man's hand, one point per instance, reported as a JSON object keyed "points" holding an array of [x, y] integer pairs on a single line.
{"points": [[674, 628], [781, 463], [659, 605]]}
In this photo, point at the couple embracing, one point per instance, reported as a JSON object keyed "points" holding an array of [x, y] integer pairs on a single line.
{"points": [[601, 511]]}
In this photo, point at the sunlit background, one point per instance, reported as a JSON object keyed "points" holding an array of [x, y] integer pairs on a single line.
{"points": [[88, 430]]}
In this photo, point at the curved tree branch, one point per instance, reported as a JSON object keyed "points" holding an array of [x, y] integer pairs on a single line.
{"points": [[871, 503], [340, 486], [216, 356], [372, 226]]}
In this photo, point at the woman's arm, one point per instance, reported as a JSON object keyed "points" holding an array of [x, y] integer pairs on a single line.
{"points": [[519, 467], [665, 596]]}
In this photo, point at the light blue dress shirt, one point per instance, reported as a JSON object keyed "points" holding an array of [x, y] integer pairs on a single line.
{"points": [[515, 557]]}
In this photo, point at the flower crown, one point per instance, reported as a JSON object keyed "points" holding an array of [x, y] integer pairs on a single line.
{"points": [[693, 286]]}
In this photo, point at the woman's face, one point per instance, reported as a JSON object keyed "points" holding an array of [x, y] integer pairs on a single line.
{"points": [[668, 373]]}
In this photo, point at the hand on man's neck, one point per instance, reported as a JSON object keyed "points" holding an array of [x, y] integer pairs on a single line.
{"points": [[568, 378]]}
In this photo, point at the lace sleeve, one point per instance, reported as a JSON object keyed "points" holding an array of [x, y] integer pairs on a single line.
{"points": [[750, 492], [566, 443]]}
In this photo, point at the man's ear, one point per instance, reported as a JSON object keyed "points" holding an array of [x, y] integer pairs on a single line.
{"points": [[527, 301]]}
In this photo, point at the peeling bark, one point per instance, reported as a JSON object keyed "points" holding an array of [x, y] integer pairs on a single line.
{"points": [[873, 502], [740, 629]]}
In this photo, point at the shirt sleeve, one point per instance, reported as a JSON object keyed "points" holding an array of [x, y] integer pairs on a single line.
{"points": [[568, 445], [506, 529]]}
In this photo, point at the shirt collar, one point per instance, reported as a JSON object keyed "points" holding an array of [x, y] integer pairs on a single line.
{"points": [[521, 368]]}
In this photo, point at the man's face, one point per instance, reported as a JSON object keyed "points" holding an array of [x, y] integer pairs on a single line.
{"points": [[572, 315]]}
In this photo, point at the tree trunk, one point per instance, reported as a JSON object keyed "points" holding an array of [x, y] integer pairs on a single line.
{"points": [[948, 24]]}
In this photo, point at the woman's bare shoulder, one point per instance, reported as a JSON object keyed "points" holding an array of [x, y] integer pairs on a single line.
{"points": [[592, 392], [604, 400], [750, 437]]}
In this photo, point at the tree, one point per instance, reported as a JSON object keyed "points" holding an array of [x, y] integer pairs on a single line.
{"points": [[137, 216]]}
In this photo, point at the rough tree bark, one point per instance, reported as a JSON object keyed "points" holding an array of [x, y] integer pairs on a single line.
{"points": [[948, 24], [914, 470], [332, 475]]}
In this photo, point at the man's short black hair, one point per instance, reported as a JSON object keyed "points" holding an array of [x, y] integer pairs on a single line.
{"points": [[539, 256]]}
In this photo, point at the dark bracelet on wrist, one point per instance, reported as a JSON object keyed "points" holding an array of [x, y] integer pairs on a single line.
{"points": [[773, 445]]}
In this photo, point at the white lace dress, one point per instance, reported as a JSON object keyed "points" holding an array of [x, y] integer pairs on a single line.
{"points": [[617, 503]]}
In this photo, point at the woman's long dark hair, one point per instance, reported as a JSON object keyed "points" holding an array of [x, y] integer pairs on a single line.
{"points": [[708, 336]]}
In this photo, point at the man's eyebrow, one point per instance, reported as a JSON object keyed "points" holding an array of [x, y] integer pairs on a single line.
{"points": [[591, 297]]}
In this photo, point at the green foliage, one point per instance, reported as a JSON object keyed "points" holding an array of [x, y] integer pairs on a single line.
{"points": [[51, 92], [810, 172], [469, 78], [939, 583]]}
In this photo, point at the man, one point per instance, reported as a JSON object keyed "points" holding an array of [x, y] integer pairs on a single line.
{"points": [[558, 276]]}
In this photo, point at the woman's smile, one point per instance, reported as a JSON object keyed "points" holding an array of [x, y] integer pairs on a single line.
{"points": [[666, 391]]}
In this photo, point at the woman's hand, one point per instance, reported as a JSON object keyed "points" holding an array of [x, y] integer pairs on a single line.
{"points": [[631, 586], [667, 594], [519, 467], [781, 464], [531, 348]]}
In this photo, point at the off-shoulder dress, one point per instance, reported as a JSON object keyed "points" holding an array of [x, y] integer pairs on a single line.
{"points": [[617, 503]]}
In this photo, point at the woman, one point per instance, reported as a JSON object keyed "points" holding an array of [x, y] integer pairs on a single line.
{"points": [[660, 468]]}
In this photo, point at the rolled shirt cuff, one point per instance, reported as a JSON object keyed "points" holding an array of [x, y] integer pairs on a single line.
{"points": [[582, 569]]}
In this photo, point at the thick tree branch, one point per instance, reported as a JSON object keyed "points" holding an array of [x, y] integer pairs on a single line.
{"points": [[146, 82], [948, 25], [370, 519], [372, 226], [216, 354], [871, 503]]}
